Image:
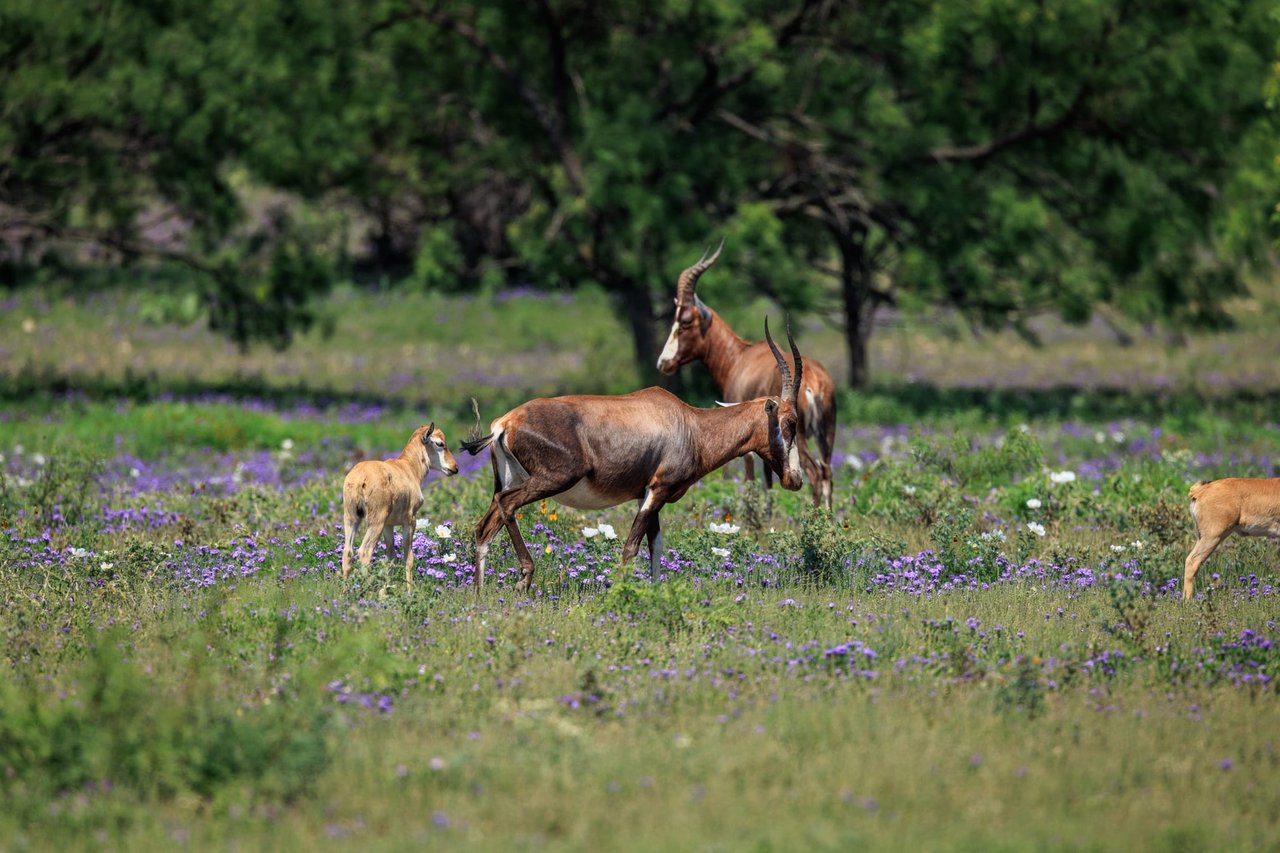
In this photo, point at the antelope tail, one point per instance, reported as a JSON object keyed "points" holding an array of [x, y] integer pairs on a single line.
{"points": [[476, 441], [1195, 491]]}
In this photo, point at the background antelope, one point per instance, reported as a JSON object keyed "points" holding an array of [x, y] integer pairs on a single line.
{"points": [[1223, 507], [384, 494], [743, 371], [591, 452]]}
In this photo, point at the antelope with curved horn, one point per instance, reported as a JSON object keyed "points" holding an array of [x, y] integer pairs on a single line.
{"points": [[743, 370], [592, 452]]}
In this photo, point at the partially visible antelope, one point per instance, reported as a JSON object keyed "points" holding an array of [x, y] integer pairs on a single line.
{"points": [[384, 494], [1223, 507], [591, 452], [743, 371]]}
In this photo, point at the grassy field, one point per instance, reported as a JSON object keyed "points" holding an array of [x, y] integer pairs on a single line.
{"points": [[982, 648]]}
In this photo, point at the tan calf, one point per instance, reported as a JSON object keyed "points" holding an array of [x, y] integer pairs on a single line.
{"points": [[1223, 507], [384, 494]]}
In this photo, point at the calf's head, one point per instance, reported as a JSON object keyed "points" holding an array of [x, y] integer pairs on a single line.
{"points": [[437, 449]]}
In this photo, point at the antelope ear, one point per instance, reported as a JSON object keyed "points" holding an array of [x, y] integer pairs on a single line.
{"points": [[771, 406], [725, 405], [426, 436], [703, 312]]}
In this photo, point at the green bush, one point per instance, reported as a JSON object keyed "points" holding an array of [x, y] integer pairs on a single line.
{"points": [[119, 728]]}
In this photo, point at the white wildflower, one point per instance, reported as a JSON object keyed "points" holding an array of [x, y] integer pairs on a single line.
{"points": [[443, 531], [18, 449], [720, 552], [590, 532], [449, 558], [1062, 476], [135, 473], [287, 444], [39, 459], [1036, 527], [1033, 503], [1100, 437], [106, 567], [1116, 549], [908, 490], [855, 462], [78, 552], [1024, 428], [1117, 437], [1136, 544], [421, 524], [607, 531], [723, 528]]}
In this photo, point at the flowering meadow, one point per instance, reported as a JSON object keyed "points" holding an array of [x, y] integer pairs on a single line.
{"points": [[983, 646]]}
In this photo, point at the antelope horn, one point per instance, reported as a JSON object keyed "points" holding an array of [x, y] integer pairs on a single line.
{"points": [[795, 352], [788, 389], [689, 278]]}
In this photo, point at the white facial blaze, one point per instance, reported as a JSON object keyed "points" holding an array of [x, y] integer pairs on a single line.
{"points": [[672, 349], [793, 459]]}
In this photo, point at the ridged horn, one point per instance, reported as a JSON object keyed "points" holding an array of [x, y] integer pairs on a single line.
{"points": [[788, 388], [689, 278], [795, 352]]}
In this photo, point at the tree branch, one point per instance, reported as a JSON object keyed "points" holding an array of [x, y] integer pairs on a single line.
{"points": [[545, 117], [1028, 132]]}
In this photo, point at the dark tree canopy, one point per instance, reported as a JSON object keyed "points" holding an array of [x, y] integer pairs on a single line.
{"points": [[1005, 159]]}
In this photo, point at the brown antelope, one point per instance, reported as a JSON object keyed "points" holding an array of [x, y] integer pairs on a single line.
{"points": [[384, 494], [591, 452], [744, 371], [1223, 507]]}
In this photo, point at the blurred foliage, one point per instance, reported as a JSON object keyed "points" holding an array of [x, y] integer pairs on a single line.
{"points": [[1006, 158]]}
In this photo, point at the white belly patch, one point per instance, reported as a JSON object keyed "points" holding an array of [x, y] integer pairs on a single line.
{"points": [[583, 496]]}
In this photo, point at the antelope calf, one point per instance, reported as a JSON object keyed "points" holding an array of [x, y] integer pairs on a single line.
{"points": [[743, 370], [592, 452], [384, 494], [1223, 507]]}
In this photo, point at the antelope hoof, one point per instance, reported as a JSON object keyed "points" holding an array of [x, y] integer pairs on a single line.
{"points": [[524, 583]]}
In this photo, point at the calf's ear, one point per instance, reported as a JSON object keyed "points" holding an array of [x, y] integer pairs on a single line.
{"points": [[431, 430]]}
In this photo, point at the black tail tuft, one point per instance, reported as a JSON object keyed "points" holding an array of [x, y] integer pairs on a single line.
{"points": [[474, 446], [476, 442]]}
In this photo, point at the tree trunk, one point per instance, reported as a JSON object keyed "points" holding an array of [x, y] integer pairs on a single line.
{"points": [[637, 304], [855, 289]]}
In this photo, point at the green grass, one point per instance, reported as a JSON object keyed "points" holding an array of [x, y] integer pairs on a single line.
{"points": [[140, 711]]}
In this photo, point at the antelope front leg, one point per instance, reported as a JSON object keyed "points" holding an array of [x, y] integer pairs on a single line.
{"points": [[645, 524], [654, 534]]}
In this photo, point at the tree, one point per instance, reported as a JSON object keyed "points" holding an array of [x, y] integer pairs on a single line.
{"points": [[125, 129], [1007, 158]]}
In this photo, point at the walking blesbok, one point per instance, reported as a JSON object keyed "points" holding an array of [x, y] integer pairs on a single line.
{"points": [[744, 371], [383, 494], [592, 452], [1231, 505]]}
